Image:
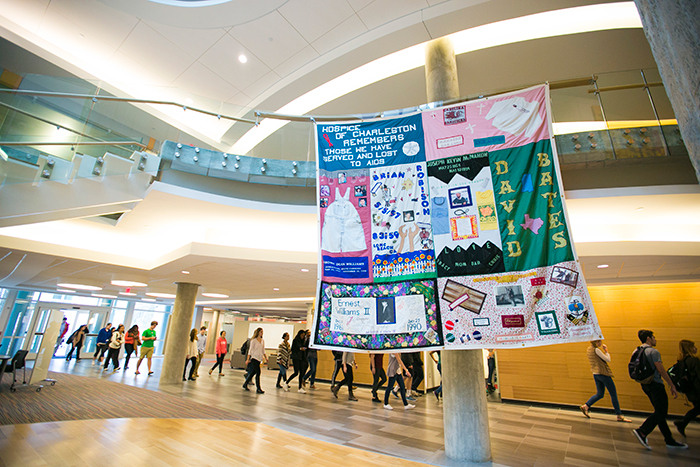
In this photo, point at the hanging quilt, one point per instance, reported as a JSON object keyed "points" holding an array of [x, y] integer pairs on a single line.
{"points": [[448, 228]]}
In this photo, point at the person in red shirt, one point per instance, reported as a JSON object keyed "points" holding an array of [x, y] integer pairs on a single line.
{"points": [[221, 347]]}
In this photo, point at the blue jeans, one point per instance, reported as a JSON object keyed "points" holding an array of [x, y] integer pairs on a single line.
{"points": [[313, 361], [602, 383]]}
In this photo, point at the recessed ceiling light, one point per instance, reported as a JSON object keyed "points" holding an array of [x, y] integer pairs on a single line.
{"points": [[185, 272], [103, 295], [640, 208], [275, 289], [129, 280], [304, 270], [131, 294], [160, 294], [603, 266], [242, 58]]}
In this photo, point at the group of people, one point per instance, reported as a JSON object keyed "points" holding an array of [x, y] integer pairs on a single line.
{"points": [[599, 359], [110, 341]]}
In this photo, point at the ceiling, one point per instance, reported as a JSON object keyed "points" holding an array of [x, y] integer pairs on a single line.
{"points": [[145, 49]]}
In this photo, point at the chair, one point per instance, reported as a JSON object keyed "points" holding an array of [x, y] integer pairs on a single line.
{"points": [[17, 363]]}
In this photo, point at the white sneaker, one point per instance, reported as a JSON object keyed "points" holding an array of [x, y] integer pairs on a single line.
{"points": [[301, 391], [409, 407], [388, 407], [286, 388]]}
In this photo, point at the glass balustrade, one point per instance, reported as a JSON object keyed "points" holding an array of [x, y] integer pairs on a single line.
{"points": [[65, 129]]}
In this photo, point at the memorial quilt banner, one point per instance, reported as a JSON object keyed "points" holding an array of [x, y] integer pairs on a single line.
{"points": [[447, 228], [507, 271]]}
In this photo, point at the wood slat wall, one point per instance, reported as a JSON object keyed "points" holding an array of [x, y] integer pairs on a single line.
{"points": [[561, 373]]}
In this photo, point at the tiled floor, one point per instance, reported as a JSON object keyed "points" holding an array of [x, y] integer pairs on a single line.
{"points": [[520, 435]]}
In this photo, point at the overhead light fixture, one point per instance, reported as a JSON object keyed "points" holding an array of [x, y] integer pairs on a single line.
{"points": [[214, 293], [79, 284], [603, 266], [304, 270], [275, 289], [130, 294], [148, 300], [65, 290], [242, 58], [161, 295], [640, 208], [160, 292], [185, 272], [129, 280]]}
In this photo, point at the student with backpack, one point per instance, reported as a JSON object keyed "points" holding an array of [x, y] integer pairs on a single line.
{"points": [[690, 370], [646, 360]]}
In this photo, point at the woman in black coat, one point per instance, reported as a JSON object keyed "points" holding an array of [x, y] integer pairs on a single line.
{"points": [[692, 363], [299, 358]]}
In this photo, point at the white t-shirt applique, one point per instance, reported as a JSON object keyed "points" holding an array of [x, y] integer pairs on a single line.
{"points": [[342, 228], [516, 116]]}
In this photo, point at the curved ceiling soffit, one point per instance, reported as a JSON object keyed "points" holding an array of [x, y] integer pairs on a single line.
{"points": [[209, 13]]}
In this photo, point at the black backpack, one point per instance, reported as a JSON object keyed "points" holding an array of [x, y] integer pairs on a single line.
{"points": [[244, 347], [680, 377], [639, 367]]}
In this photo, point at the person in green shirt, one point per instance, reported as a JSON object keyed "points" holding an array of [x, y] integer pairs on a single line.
{"points": [[148, 338]]}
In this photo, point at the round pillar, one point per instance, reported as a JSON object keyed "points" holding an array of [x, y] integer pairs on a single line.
{"points": [[178, 333], [465, 414], [441, 70], [672, 28]]}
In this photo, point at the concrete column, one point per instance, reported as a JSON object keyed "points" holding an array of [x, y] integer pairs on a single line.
{"points": [[465, 415], [180, 324], [213, 332], [441, 70], [672, 28]]}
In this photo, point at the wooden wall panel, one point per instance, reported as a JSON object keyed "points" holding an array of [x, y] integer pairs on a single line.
{"points": [[561, 374]]}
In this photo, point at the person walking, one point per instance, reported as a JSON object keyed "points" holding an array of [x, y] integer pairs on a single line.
{"points": [[256, 356], [656, 392], [76, 340], [132, 341], [438, 362], [376, 365], [221, 347], [102, 346], [147, 347], [692, 364], [62, 331], [491, 361], [348, 364], [298, 359], [191, 355], [283, 353], [337, 365], [201, 348], [395, 371], [417, 374], [312, 362], [115, 345], [599, 358]]}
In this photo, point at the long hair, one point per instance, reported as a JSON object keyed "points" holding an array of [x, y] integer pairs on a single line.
{"points": [[301, 334], [193, 334], [257, 333], [684, 346], [133, 329]]}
